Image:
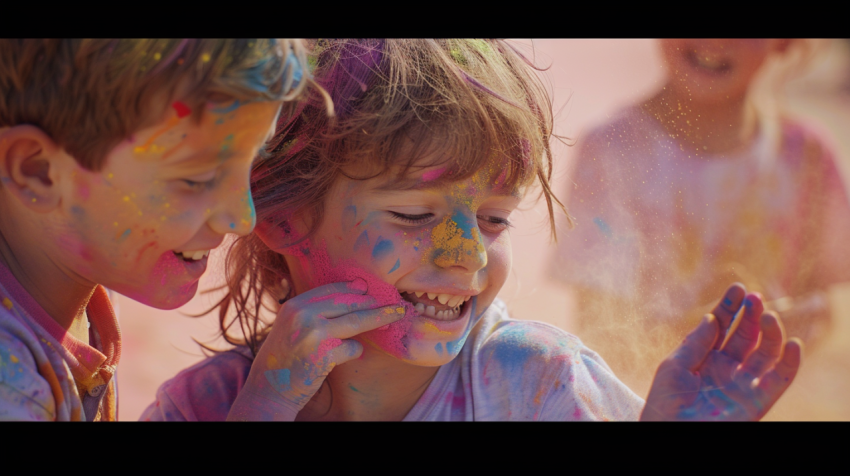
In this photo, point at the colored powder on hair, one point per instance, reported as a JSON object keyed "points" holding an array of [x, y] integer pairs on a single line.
{"points": [[433, 174]]}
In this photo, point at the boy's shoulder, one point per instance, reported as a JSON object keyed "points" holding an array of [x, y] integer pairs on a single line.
{"points": [[25, 393]]}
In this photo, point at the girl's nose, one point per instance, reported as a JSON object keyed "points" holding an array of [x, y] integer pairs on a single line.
{"points": [[458, 243]]}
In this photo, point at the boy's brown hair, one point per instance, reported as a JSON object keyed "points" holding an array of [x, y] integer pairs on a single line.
{"points": [[399, 105], [90, 94]]}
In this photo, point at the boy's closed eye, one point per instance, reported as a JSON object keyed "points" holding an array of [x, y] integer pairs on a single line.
{"points": [[201, 181]]}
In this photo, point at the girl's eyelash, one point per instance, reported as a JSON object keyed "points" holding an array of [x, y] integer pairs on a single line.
{"points": [[496, 220], [413, 219]]}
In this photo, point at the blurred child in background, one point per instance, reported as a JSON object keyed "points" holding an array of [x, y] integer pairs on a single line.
{"points": [[704, 183]]}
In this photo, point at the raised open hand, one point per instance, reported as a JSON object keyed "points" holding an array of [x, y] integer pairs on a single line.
{"points": [[706, 378]]}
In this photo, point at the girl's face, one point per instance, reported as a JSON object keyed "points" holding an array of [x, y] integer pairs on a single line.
{"points": [[442, 251], [716, 70]]}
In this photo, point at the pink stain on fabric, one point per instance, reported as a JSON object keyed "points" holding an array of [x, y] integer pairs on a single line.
{"points": [[390, 338]]}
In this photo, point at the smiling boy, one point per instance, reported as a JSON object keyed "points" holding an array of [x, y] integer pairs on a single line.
{"points": [[124, 162]]}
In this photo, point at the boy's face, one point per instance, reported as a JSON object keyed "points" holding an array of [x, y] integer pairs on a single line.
{"points": [[144, 224], [445, 248], [715, 69]]}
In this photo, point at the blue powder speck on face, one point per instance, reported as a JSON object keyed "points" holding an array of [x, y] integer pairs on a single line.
{"points": [[232, 226], [395, 267], [439, 348], [124, 235], [382, 248], [603, 227], [362, 241]]}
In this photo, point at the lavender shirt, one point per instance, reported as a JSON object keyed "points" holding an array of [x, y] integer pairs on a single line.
{"points": [[507, 370]]}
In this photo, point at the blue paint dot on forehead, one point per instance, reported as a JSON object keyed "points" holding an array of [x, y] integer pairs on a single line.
{"points": [[382, 248]]}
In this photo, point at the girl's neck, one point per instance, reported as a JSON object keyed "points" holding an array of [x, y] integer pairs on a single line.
{"points": [[375, 387], [705, 128]]}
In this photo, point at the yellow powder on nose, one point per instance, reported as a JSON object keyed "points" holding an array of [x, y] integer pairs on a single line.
{"points": [[449, 238]]}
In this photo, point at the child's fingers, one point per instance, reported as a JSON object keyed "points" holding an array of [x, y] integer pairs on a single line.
{"points": [[774, 383], [349, 349], [726, 309], [692, 351], [331, 300], [357, 322], [768, 351], [745, 337]]}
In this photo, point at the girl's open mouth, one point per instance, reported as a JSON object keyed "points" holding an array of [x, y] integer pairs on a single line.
{"points": [[442, 307]]}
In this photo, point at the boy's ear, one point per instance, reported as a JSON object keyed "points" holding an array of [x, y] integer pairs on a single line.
{"points": [[30, 162]]}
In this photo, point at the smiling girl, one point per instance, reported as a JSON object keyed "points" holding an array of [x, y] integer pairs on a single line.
{"points": [[382, 243]]}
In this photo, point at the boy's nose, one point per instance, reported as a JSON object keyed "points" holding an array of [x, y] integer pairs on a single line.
{"points": [[457, 242], [235, 214]]}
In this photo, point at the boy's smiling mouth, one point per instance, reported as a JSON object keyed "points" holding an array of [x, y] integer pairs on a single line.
{"points": [[439, 306], [192, 255]]}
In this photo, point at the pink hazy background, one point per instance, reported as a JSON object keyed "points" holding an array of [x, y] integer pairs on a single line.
{"points": [[590, 79]]}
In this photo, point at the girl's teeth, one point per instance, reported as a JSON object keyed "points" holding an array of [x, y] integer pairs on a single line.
{"points": [[454, 301], [419, 293], [430, 311], [443, 298], [420, 308], [431, 296]]}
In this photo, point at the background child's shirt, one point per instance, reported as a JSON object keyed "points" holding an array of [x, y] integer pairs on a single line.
{"points": [[44, 370], [507, 370], [670, 228]]}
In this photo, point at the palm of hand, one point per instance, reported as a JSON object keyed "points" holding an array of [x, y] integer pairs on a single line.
{"points": [[708, 379]]}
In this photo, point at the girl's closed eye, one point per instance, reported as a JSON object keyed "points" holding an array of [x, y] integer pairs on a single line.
{"points": [[413, 219], [493, 224]]}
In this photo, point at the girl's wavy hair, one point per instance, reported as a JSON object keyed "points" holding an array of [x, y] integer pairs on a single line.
{"points": [[399, 105], [90, 94]]}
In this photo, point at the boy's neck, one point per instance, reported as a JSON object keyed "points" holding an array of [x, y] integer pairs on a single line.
{"points": [[705, 128], [375, 387], [62, 298]]}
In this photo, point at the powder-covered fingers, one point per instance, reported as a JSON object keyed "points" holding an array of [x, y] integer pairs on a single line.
{"points": [[329, 301], [745, 337], [355, 323], [774, 383], [768, 352], [696, 346], [727, 308]]}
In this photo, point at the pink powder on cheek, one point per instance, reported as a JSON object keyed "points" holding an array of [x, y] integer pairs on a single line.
{"points": [[391, 337]]}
